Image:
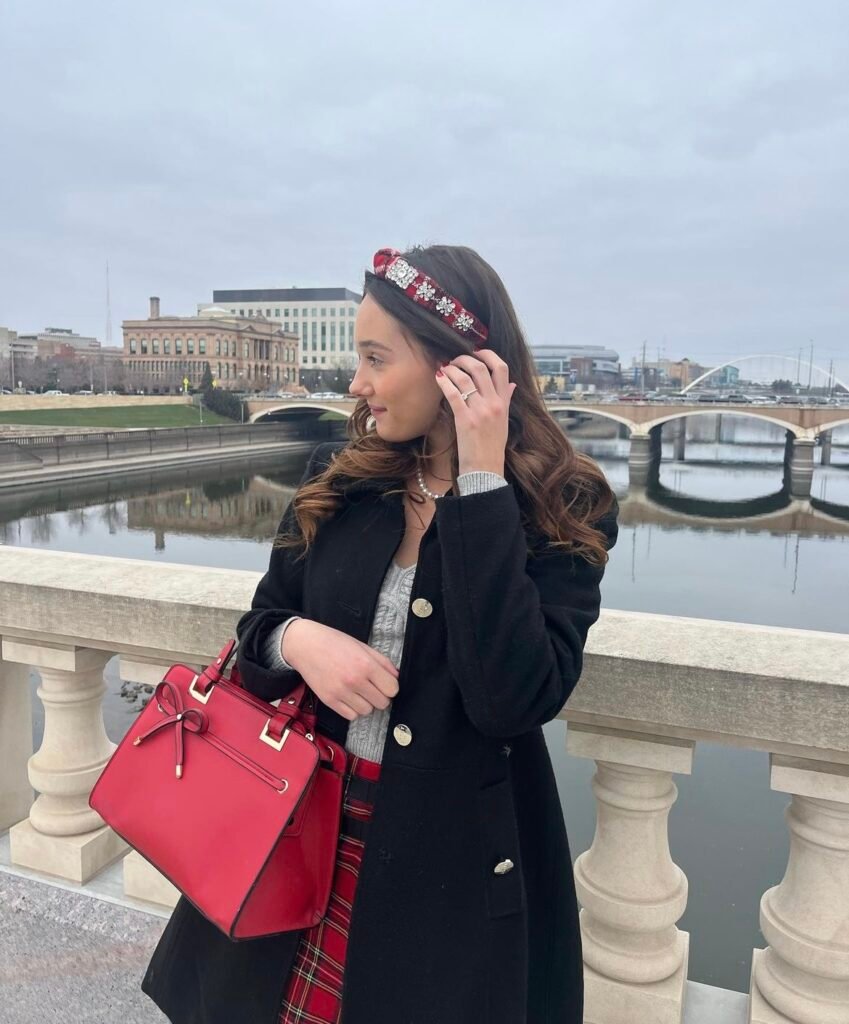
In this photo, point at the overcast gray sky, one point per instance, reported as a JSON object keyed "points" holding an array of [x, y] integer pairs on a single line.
{"points": [[670, 172]]}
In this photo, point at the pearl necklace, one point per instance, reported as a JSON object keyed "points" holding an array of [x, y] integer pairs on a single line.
{"points": [[424, 486]]}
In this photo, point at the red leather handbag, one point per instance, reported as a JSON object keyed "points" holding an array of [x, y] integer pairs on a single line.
{"points": [[237, 802]]}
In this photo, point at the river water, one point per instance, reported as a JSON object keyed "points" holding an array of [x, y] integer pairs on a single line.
{"points": [[716, 538]]}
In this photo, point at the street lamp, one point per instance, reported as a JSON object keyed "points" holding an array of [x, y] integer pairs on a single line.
{"points": [[239, 377]]}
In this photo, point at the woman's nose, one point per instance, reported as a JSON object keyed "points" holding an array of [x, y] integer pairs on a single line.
{"points": [[355, 387]]}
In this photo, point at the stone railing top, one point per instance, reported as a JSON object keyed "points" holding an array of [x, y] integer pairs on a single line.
{"points": [[771, 688], [121, 604], [767, 687]]}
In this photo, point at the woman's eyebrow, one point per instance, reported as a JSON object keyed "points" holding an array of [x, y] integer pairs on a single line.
{"points": [[373, 344]]}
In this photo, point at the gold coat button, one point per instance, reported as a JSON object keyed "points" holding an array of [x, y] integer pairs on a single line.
{"points": [[422, 607], [403, 735], [503, 866]]}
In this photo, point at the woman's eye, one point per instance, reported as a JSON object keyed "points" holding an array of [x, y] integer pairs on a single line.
{"points": [[376, 360]]}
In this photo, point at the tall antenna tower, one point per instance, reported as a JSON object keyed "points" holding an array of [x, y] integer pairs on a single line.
{"points": [[108, 328], [108, 310]]}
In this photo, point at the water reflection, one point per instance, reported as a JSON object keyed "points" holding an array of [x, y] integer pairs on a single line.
{"points": [[227, 502]]}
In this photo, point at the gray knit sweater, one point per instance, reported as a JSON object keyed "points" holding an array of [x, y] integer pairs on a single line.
{"points": [[367, 733]]}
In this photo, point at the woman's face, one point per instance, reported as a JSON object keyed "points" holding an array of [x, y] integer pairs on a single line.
{"points": [[394, 375]]}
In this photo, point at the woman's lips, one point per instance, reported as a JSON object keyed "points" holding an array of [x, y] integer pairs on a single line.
{"points": [[375, 411]]}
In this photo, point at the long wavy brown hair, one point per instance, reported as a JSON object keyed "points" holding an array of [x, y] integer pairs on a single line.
{"points": [[561, 492]]}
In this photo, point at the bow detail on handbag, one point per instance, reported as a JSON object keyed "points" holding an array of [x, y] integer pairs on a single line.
{"points": [[170, 702]]}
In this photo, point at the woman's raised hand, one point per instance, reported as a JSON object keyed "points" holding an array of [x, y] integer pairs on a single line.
{"points": [[345, 674]]}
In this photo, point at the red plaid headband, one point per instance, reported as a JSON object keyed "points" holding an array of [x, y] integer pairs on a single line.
{"points": [[391, 265]]}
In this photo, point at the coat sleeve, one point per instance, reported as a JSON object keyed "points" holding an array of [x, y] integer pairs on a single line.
{"points": [[516, 624], [279, 595]]}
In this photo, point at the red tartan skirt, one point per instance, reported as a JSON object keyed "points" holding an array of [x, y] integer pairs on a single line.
{"points": [[313, 993]]}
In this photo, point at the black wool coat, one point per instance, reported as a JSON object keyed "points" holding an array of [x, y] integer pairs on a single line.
{"points": [[436, 937]]}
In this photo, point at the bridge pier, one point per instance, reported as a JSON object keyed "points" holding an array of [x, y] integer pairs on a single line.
{"points": [[644, 458], [717, 436], [679, 439], [799, 465], [825, 453]]}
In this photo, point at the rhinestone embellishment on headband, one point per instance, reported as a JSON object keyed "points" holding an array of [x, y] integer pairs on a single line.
{"points": [[401, 273], [424, 291]]}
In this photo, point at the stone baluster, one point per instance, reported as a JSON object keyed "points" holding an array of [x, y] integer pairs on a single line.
{"points": [[63, 835], [16, 793], [802, 977], [632, 894]]}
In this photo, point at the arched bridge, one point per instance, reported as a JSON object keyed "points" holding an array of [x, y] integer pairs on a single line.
{"points": [[804, 426], [804, 422]]}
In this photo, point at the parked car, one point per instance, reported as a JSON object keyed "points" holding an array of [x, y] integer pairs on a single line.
{"points": [[85, 391], [54, 391]]}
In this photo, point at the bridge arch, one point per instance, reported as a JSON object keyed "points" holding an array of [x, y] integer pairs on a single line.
{"points": [[743, 359], [256, 417], [709, 410], [774, 417], [802, 432]]}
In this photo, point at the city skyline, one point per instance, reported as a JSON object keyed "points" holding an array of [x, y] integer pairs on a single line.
{"points": [[807, 370], [643, 174]]}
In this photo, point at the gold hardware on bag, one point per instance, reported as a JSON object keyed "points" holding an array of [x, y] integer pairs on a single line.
{"points": [[197, 694], [277, 744]]}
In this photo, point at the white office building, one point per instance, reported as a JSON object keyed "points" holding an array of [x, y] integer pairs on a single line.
{"points": [[323, 318]]}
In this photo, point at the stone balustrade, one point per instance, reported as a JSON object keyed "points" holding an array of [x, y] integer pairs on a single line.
{"points": [[653, 686]]}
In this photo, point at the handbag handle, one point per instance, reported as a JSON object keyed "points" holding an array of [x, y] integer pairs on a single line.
{"points": [[300, 706]]}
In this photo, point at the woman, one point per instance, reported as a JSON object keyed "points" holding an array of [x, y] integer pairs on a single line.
{"points": [[456, 498]]}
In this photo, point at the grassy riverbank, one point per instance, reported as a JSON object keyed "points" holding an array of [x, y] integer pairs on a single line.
{"points": [[116, 417]]}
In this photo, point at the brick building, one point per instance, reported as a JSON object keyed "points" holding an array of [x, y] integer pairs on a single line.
{"points": [[244, 354]]}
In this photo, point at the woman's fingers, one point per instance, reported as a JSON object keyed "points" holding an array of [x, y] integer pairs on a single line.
{"points": [[381, 659], [358, 704], [465, 370], [345, 710]]}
